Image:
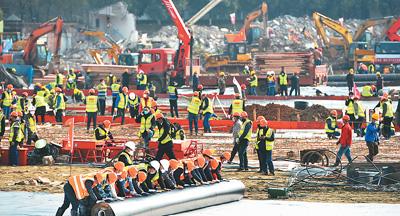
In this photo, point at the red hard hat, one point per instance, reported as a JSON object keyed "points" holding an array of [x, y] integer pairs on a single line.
{"points": [[19, 113], [346, 118], [107, 123], [190, 165], [141, 176], [173, 163], [99, 177], [92, 91], [159, 115], [125, 89], [334, 113], [119, 166], [200, 87], [201, 161], [124, 174], [214, 164], [14, 114], [196, 93], [244, 114], [226, 155], [132, 171], [243, 86], [207, 152]]}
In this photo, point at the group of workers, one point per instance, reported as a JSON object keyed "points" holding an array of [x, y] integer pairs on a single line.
{"points": [[368, 90], [128, 180]]}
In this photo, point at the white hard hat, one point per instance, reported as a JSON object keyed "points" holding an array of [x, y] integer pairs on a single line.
{"points": [[246, 67], [132, 96], [155, 164], [165, 164], [40, 144], [31, 108], [130, 145]]}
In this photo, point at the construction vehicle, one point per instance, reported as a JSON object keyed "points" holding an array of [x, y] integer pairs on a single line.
{"points": [[393, 31], [362, 34], [236, 54]]}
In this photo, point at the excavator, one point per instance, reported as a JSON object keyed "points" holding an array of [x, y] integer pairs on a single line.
{"points": [[393, 31], [236, 55]]}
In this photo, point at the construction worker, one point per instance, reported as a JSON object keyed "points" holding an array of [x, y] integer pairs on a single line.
{"points": [[59, 105], [266, 145], [40, 105], [127, 154], [110, 79], [133, 182], [147, 123], [295, 84], [71, 79], [173, 99], [142, 79], [6, 100], [246, 70], [331, 125], [367, 91], [152, 90], [78, 96], [22, 103], [359, 112], [379, 82], [121, 104], [146, 100], [126, 78], [154, 107], [372, 137], [344, 141], [177, 132], [207, 111], [243, 88], [59, 79], [237, 105], [102, 132], [195, 81], [193, 111], [350, 107], [216, 166], [283, 82], [2, 124], [133, 104], [387, 114], [271, 83], [115, 89], [221, 83], [102, 96], [92, 105], [200, 88], [16, 137], [253, 81], [31, 126], [50, 98], [258, 138], [166, 179], [350, 79], [79, 191], [244, 138], [165, 145], [237, 125]]}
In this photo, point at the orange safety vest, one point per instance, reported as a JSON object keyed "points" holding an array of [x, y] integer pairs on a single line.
{"points": [[78, 184]]}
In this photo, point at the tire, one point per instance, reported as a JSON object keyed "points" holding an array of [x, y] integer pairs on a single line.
{"points": [[102, 209]]}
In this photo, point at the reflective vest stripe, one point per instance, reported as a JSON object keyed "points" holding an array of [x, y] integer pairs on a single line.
{"points": [[171, 92], [361, 111], [167, 138], [123, 102], [78, 184], [145, 123], [146, 103], [32, 123], [350, 108], [133, 102], [333, 124], [115, 88], [269, 145], [283, 79], [7, 100], [91, 103], [194, 105], [254, 82], [209, 108], [389, 111], [144, 81], [248, 135], [39, 101], [20, 135]]}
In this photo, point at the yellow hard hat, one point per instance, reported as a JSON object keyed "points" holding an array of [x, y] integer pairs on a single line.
{"points": [[221, 73], [375, 116], [378, 73], [351, 70], [252, 73]]}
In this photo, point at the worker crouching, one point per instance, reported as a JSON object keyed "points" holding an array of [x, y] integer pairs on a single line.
{"points": [[102, 132], [331, 125]]}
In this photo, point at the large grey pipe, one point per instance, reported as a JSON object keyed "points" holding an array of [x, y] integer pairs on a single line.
{"points": [[173, 202]]}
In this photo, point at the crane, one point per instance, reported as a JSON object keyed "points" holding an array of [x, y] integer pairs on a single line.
{"points": [[202, 12], [392, 32]]}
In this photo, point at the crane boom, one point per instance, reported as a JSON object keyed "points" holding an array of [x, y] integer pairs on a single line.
{"points": [[372, 22], [212, 4], [392, 32]]}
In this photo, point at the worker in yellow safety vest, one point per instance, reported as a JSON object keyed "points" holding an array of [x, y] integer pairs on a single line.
{"points": [[387, 113], [110, 79], [258, 138], [40, 104], [266, 144], [146, 100], [253, 81], [31, 126], [115, 90], [359, 113], [78, 96], [121, 104], [283, 82], [92, 104], [367, 91], [6, 100], [350, 107], [243, 140], [331, 125], [81, 192], [207, 111], [133, 104], [193, 112], [59, 107], [71, 79], [127, 154], [102, 96], [173, 99], [16, 137], [147, 124], [237, 105], [102, 132], [22, 103], [165, 145], [59, 79], [141, 80]]}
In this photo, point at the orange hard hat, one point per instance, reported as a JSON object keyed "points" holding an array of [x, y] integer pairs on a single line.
{"points": [[226, 155], [19, 113], [146, 92], [200, 87], [236, 114], [141, 176], [92, 91], [196, 93], [346, 118], [190, 165], [159, 115], [207, 152], [153, 103], [14, 114], [10, 86], [107, 123], [243, 86], [99, 177], [214, 164], [375, 116], [124, 174], [132, 171], [173, 163], [334, 113], [111, 177], [259, 118], [201, 161], [119, 166], [244, 114], [58, 89], [25, 94], [39, 85], [263, 123], [125, 89]]}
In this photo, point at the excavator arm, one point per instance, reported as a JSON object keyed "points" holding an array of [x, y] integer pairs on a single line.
{"points": [[392, 33], [388, 21], [113, 51], [43, 29]]}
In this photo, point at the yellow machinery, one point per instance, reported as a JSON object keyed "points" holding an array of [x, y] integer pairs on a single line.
{"points": [[113, 51]]}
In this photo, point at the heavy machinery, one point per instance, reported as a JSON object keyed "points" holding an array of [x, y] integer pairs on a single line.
{"points": [[362, 34], [236, 54], [393, 31]]}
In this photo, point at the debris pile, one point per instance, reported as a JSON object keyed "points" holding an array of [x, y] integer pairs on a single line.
{"points": [[276, 112]]}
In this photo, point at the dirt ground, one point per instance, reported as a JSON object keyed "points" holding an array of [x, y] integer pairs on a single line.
{"points": [[256, 185]]}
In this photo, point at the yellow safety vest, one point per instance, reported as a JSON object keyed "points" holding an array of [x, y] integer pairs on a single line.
{"points": [[20, 135], [91, 104], [259, 132], [237, 106], [115, 88], [171, 92], [333, 124], [350, 108], [367, 91], [61, 106], [7, 100], [32, 123], [39, 101], [282, 79], [209, 109], [361, 110], [248, 135], [78, 184], [254, 83], [123, 102], [19, 108], [132, 103], [167, 138], [59, 79], [194, 105], [389, 111], [269, 145], [128, 157], [145, 103], [102, 132], [144, 81], [145, 123]]}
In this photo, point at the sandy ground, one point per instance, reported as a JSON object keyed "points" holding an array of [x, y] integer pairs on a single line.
{"points": [[256, 185]]}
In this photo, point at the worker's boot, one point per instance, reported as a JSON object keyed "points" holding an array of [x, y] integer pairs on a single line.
{"points": [[60, 212]]}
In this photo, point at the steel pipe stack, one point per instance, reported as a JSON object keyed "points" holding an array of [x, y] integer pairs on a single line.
{"points": [[176, 201]]}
